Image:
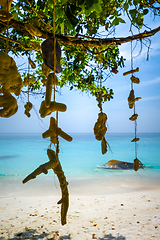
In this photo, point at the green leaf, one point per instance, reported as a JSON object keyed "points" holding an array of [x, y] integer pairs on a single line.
{"points": [[15, 15], [121, 20], [97, 7], [111, 17], [80, 2], [135, 2], [50, 3], [145, 11], [89, 4], [115, 22], [64, 1], [133, 13], [62, 28], [126, 6], [69, 25]]}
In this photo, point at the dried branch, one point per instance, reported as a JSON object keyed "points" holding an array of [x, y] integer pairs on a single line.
{"points": [[56, 166]]}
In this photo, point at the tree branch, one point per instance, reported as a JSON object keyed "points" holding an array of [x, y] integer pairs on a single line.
{"points": [[81, 42], [23, 46]]}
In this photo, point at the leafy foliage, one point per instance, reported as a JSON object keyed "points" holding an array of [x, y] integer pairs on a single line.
{"points": [[84, 19]]}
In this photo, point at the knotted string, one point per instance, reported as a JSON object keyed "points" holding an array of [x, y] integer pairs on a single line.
{"points": [[134, 106]]}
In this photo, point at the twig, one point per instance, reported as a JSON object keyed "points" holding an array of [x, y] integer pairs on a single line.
{"points": [[35, 12], [24, 47]]}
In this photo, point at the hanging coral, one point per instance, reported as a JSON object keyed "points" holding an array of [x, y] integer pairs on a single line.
{"points": [[10, 78], [51, 80], [133, 117], [8, 104], [137, 164], [6, 4], [5, 16], [55, 131], [55, 165], [131, 103], [28, 107], [135, 80], [132, 99], [48, 54], [100, 126], [54, 106], [131, 71], [51, 56], [11, 82], [103, 145], [33, 65], [135, 139], [45, 70]]}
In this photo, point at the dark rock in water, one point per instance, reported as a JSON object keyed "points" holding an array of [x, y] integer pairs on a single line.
{"points": [[48, 54], [115, 164]]}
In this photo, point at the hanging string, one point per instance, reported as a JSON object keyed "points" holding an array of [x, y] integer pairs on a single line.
{"points": [[54, 70], [134, 106], [28, 75], [131, 64], [7, 48], [100, 84], [54, 39]]}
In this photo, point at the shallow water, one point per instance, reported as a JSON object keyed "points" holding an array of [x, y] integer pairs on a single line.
{"points": [[20, 154]]}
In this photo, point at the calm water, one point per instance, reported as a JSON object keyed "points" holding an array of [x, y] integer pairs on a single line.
{"points": [[20, 154]]}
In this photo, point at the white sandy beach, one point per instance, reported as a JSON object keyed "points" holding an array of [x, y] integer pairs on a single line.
{"points": [[117, 213]]}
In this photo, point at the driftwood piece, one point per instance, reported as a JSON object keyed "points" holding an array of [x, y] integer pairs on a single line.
{"points": [[56, 166]]}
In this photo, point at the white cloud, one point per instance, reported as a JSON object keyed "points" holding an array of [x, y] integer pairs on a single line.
{"points": [[150, 82], [151, 98]]}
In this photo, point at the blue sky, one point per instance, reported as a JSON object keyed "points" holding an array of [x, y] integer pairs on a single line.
{"points": [[82, 110]]}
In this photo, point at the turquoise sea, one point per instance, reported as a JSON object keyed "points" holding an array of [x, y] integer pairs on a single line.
{"points": [[20, 154]]}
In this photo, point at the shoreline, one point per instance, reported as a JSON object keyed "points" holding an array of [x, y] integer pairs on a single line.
{"points": [[49, 185], [123, 216]]}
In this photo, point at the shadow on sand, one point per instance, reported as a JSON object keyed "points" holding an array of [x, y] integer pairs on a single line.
{"points": [[110, 237], [32, 235]]}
